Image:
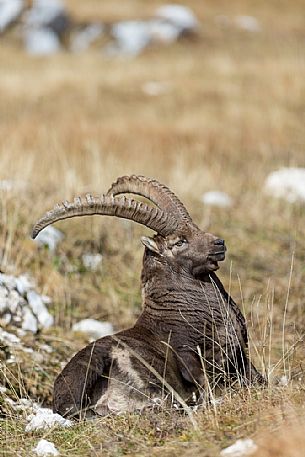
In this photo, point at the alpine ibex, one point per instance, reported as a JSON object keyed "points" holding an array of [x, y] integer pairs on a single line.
{"points": [[190, 331]]}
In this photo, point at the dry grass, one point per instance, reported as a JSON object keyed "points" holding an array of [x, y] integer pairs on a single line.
{"points": [[234, 111]]}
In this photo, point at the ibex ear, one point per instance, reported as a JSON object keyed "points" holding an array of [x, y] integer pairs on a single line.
{"points": [[150, 244]]}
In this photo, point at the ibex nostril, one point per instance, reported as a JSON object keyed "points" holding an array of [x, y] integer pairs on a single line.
{"points": [[219, 242]]}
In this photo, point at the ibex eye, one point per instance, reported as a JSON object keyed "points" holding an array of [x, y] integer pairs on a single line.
{"points": [[180, 242]]}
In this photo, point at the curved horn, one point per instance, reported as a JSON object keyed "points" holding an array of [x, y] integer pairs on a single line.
{"points": [[126, 208], [156, 192]]}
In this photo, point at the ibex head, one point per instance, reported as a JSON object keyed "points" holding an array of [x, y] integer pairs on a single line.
{"points": [[178, 239], [187, 246], [193, 251]]}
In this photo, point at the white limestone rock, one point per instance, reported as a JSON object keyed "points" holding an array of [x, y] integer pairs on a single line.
{"points": [[287, 183], [43, 12], [41, 42], [26, 405], [29, 322], [131, 37], [217, 198], [92, 261], [84, 38], [93, 328], [44, 418], [39, 309], [8, 280], [181, 16], [45, 448], [21, 305], [9, 338], [9, 11], [241, 448], [24, 283], [49, 236], [163, 32], [284, 381]]}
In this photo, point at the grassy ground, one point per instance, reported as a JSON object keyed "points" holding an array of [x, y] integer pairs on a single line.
{"points": [[234, 111]]}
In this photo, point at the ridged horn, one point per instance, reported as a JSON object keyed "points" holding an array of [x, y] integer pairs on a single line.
{"points": [[153, 190], [123, 207]]}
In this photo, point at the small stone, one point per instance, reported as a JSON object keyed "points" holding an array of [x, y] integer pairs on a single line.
{"points": [[241, 448], [93, 328], [49, 236], [43, 12], [14, 301], [82, 39], [6, 318], [92, 261], [284, 381], [25, 404], [41, 42], [29, 322], [217, 198], [39, 309], [8, 281], [22, 306], [23, 284], [179, 15], [45, 448], [11, 360], [45, 418], [131, 37], [9, 11], [46, 348], [9, 338], [287, 183]]}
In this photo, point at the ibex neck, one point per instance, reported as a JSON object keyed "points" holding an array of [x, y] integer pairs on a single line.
{"points": [[171, 301]]}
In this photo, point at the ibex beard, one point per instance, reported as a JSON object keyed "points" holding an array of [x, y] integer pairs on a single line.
{"points": [[190, 333]]}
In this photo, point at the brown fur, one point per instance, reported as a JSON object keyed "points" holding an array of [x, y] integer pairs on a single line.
{"points": [[190, 331]]}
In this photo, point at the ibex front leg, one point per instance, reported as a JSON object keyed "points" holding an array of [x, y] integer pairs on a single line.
{"points": [[73, 388]]}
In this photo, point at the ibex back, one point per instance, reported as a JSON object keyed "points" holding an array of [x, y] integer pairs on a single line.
{"points": [[190, 332]]}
